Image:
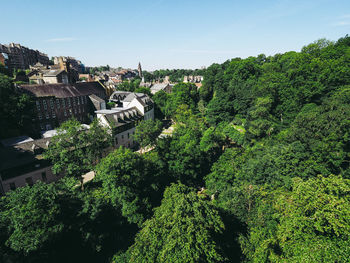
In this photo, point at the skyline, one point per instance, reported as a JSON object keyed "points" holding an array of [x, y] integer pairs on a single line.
{"points": [[166, 34]]}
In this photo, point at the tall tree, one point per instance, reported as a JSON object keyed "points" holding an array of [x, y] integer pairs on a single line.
{"points": [[183, 229]]}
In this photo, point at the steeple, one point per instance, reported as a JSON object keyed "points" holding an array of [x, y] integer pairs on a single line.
{"points": [[139, 70]]}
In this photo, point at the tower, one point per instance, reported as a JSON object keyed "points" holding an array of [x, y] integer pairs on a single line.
{"points": [[139, 69]]}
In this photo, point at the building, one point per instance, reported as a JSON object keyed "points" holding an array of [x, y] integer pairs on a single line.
{"points": [[52, 74], [139, 70], [56, 103], [161, 86], [20, 57], [131, 109], [22, 163], [74, 63], [4, 59], [193, 79]]}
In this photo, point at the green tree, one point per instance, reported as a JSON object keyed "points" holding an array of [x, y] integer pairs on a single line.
{"points": [[75, 150], [32, 216], [183, 229], [130, 182], [147, 132]]}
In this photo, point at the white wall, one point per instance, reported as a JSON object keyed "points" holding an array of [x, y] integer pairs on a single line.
{"points": [[123, 139], [36, 175]]}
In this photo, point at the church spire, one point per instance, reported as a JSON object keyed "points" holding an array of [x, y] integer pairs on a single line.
{"points": [[139, 70]]}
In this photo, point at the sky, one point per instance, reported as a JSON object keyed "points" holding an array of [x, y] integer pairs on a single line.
{"points": [[170, 33]]}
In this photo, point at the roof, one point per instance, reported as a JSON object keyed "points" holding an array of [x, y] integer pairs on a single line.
{"points": [[53, 72], [62, 90], [96, 98], [16, 140], [22, 158], [160, 86]]}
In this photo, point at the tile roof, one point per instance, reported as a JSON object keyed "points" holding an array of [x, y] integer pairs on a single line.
{"points": [[62, 90]]}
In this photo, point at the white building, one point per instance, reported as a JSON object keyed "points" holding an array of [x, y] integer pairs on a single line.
{"points": [[131, 109]]}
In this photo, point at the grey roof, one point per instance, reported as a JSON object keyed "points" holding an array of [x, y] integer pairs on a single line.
{"points": [[160, 86], [16, 140], [96, 98], [62, 90], [53, 72], [130, 97]]}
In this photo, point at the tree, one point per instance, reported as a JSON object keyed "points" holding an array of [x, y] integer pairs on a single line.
{"points": [[16, 110], [310, 223], [129, 182], [183, 229], [75, 150], [32, 216], [147, 132]]}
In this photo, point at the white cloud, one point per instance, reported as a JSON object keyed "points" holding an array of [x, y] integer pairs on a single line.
{"points": [[62, 39], [342, 23]]}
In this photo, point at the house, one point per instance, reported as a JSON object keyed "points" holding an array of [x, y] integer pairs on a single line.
{"points": [[56, 103], [22, 163], [161, 86], [132, 108]]}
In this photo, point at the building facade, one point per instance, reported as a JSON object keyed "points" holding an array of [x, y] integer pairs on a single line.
{"points": [[20, 57], [22, 163], [132, 108], [56, 103]]}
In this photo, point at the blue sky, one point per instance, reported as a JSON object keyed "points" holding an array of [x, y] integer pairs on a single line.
{"points": [[170, 33]]}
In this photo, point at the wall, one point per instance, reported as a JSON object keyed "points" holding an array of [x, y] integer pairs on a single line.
{"points": [[20, 181]]}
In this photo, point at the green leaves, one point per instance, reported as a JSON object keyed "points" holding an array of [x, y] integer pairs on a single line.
{"points": [[182, 229], [31, 215]]}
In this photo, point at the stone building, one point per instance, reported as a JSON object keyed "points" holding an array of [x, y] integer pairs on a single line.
{"points": [[20, 57], [56, 103]]}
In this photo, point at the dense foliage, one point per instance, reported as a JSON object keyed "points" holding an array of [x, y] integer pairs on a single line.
{"points": [[255, 170], [16, 109]]}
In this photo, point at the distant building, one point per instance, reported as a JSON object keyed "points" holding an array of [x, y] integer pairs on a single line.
{"points": [[52, 74], [131, 108], [161, 86], [4, 58], [86, 77], [139, 69], [193, 79], [20, 57], [56, 103], [75, 64], [22, 163]]}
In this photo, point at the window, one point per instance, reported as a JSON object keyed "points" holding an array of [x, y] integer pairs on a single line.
{"points": [[51, 104], [37, 105], [43, 176], [79, 110], [74, 101], [78, 99], [40, 117], [116, 140], [68, 99], [58, 103], [83, 109], [63, 103], [128, 135], [65, 113], [75, 111], [122, 137], [12, 186], [42, 127], [47, 115], [45, 105], [29, 181], [53, 115]]}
